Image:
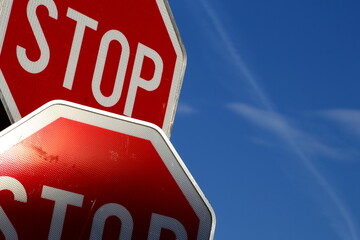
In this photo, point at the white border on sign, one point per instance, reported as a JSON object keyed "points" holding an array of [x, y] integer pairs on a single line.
{"points": [[179, 69], [59, 108]]}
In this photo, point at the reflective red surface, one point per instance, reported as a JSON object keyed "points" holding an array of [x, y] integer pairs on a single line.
{"points": [[103, 166]]}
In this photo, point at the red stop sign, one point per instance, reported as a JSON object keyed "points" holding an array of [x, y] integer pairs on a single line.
{"points": [[122, 56], [67, 172]]}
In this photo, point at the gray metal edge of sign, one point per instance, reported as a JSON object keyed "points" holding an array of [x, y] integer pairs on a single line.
{"points": [[179, 69], [180, 65], [60, 108]]}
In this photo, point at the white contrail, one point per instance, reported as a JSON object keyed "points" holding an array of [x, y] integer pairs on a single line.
{"points": [[267, 104], [238, 61]]}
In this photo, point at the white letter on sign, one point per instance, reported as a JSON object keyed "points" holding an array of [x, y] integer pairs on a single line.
{"points": [[5, 9], [100, 64], [82, 22], [108, 210], [159, 221], [136, 81], [62, 199], [14, 186], [42, 62]]}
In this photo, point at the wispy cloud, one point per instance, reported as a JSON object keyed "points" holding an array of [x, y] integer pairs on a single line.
{"points": [[301, 144], [347, 118], [268, 120], [280, 125], [186, 109], [346, 229], [234, 55]]}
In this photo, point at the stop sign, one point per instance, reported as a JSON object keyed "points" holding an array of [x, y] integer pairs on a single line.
{"points": [[70, 172], [122, 56]]}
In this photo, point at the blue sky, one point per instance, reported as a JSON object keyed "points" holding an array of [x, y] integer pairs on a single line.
{"points": [[268, 120]]}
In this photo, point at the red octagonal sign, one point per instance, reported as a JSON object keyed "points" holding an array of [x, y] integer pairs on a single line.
{"points": [[68, 172], [122, 56]]}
